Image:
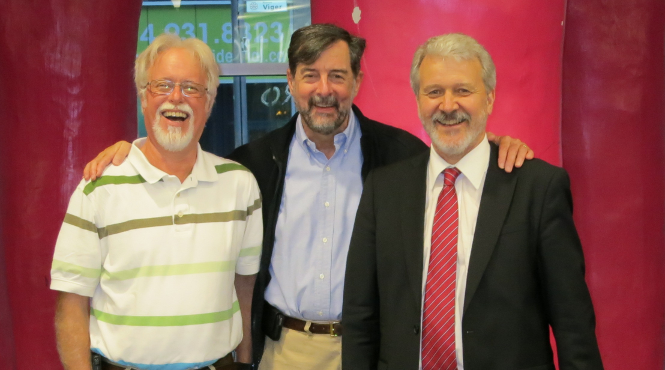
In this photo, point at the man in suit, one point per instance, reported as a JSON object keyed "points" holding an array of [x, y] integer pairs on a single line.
{"points": [[310, 173], [454, 263]]}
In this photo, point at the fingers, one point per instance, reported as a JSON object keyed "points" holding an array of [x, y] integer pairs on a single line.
{"points": [[121, 153], [116, 153], [523, 153], [87, 171], [512, 153]]}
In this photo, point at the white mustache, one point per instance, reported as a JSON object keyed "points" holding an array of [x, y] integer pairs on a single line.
{"points": [[184, 107]]}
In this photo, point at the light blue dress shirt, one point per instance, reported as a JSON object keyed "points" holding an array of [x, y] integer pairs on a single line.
{"points": [[314, 226]]}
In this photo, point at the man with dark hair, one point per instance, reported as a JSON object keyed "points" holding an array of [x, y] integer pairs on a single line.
{"points": [[311, 174]]}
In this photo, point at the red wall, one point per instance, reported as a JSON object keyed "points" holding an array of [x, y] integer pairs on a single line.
{"points": [[66, 91], [527, 54], [613, 133]]}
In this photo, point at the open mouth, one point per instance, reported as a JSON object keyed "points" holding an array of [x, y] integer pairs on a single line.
{"points": [[450, 123], [177, 116]]}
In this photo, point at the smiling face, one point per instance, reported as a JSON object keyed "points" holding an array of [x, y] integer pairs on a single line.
{"points": [[453, 105], [324, 90], [175, 122]]}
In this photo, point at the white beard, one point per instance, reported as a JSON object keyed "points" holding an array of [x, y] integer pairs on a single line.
{"points": [[172, 138], [458, 148]]}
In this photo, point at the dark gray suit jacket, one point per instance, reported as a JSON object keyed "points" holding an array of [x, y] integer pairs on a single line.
{"points": [[526, 273]]}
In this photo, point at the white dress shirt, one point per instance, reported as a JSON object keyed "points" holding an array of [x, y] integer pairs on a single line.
{"points": [[469, 189]]}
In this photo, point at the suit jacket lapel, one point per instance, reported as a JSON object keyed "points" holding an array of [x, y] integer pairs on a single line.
{"points": [[494, 206], [412, 217]]}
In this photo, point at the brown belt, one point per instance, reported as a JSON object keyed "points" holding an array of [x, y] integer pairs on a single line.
{"points": [[334, 329], [224, 361]]}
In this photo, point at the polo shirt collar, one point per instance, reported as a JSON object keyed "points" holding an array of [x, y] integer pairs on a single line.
{"points": [[203, 170]]}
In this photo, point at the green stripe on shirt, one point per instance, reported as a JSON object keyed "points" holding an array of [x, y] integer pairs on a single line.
{"points": [[254, 207], [253, 251], [170, 270], [180, 320], [112, 180], [196, 218], [221, 168], [75, 269], [79, 222]]}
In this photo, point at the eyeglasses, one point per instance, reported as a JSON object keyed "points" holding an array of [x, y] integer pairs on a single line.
{"points": [[165, 87]]}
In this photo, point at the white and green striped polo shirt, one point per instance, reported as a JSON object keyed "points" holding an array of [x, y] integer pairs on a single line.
{"points": [[158, 257]]}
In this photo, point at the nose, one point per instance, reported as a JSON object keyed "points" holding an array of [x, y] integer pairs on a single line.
{"points": [[448, 103], [176, 96], [324, 87]]}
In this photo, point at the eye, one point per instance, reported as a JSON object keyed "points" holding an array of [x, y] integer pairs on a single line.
{"points": [[161, 86], [434, 93], [463, 91], [337, 77]]}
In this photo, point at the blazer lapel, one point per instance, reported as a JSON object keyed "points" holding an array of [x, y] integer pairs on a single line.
{"points": [[494, 206], [412, 215]]}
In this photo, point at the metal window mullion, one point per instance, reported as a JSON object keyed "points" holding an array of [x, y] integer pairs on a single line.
{"points": [[240, 125]]}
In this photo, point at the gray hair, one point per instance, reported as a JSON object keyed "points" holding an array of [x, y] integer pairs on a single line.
{"points": [[309, 42], [167, 41], [457, 46]]}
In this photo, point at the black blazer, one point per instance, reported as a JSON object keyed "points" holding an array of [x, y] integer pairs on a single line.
{"points": [[267, 157], [526, 272]]}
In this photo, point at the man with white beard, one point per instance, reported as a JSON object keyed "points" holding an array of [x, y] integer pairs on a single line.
{"points": [[167, 244]]}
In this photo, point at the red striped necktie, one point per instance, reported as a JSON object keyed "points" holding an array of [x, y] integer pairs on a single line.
{"points": [[438, 341]]}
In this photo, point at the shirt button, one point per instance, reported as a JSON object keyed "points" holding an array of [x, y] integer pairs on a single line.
{"points": [[180, 214], [321, 276], [326, 204], [327, 168], [178, 195], [320, 313], [325, 240]]}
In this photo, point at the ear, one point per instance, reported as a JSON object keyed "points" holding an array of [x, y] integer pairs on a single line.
{"points": [[144, 102], [490, 101], [290, 79], [358, 81]]}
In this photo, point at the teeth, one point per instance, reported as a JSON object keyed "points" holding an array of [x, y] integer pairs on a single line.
{"points": [[175, 114]]}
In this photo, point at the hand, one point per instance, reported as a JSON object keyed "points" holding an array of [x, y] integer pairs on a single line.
{"points": [[116, 153], [512, 151]]}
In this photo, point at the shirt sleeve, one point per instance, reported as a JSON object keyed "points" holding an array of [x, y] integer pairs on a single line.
{"points": [[250, 251], [77, 263]]}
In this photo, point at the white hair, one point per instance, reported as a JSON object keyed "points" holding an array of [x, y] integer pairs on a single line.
{"points": [[457, 46], [167, 41]]}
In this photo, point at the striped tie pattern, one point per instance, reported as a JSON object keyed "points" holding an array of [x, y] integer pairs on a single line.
{"points": [[438, 341]]}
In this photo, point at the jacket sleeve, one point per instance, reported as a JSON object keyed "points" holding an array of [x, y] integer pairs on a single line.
{"points": [[360, 347], [562, 275]]}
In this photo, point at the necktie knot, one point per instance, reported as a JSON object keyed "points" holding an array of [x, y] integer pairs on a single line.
{"points": [[450, 175]]}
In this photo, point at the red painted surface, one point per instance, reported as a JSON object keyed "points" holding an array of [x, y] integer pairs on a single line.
{"points": [[67, 91], [524, 38], [613, 133]]}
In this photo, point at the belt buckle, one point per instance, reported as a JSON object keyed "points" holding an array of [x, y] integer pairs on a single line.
{"points": [[333, 333]]}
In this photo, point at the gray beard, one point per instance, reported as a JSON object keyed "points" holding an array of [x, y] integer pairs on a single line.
{"points": [[323, 126]]}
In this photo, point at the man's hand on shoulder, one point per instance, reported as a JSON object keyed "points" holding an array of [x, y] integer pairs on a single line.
{"points": [[116, 153], [512, 151]]}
